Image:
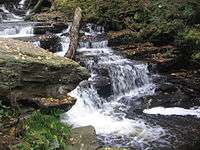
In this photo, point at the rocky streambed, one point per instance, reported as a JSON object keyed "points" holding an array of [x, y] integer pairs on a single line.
{"points": [[131, 104]]}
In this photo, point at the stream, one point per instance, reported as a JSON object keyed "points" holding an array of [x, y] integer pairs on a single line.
{"points": [[109, 98], [105, 99]]}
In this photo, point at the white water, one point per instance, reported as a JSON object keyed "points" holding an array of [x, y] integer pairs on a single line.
{"points": [[14, 29], [21, 4], [173, 111], [17, 31], [128, 79], [65, 46], [65, 41], [10, 16]]}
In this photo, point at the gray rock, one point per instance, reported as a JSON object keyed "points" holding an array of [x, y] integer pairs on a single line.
{"points": [[83, 138], [29, 72]]}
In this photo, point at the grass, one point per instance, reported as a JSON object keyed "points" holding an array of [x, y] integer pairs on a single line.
{"points": [[44, 132], [40, 131]]}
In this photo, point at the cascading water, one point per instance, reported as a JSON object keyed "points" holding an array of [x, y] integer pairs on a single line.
{"points": [[112, 99], [12, 25], [19, 30], [128, 80]]}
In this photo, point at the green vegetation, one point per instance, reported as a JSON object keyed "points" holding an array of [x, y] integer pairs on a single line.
{"points": [[6, 114], [160, 22], [68, 6], [44, 132], [39, 131], [188, 42]]}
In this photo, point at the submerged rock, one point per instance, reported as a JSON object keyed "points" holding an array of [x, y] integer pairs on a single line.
{"points": [[28, 72]]}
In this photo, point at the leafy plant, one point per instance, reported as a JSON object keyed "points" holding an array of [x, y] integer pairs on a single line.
{"points": [[44, 132]]}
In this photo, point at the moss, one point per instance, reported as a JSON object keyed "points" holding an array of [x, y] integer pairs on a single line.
{"points": [[196, 57]]}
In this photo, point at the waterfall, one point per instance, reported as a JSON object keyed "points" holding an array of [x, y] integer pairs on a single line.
{"points": [[12, 25], [129, 80], [22, 4], [17, 30], [13, 14]]}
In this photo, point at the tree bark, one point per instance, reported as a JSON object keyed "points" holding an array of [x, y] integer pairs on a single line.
{"points": [[74, 33], [37, 6]]}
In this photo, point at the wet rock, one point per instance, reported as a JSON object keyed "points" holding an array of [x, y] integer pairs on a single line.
{"points": [[176, 99], [83, 138], [165, 57], [51, 42], [28, 72], [42, 29], [59, 27], [166, 88], [112, 148], [103, 86], [55, 27], [181, 130]]}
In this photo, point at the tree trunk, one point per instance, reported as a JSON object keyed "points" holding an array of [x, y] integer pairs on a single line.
{"points": [[74, 34], [37, 6]]}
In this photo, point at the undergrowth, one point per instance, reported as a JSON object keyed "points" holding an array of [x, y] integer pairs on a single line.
{"points": [[44, 132]]}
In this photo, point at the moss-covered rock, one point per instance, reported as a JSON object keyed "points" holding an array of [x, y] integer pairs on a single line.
{"points": [[29, 72], [49, 16]]}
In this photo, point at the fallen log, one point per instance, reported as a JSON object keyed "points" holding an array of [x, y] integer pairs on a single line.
{"points": [[74, 34]]}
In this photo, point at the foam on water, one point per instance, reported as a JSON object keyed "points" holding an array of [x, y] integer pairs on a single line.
{"points": [[22, 3], [65, 46], [173, 111], [17, 31], [10, 16]]}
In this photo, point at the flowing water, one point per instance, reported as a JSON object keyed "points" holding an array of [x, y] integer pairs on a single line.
{"points": [[101, 103], [126, 81], [12, 25], [107, 99]]}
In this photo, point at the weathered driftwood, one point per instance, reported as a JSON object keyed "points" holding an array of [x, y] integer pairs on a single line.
{"points": [[74, 34]]}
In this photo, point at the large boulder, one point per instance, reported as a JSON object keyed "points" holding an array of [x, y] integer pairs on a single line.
{"points": [[27, 72]]}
